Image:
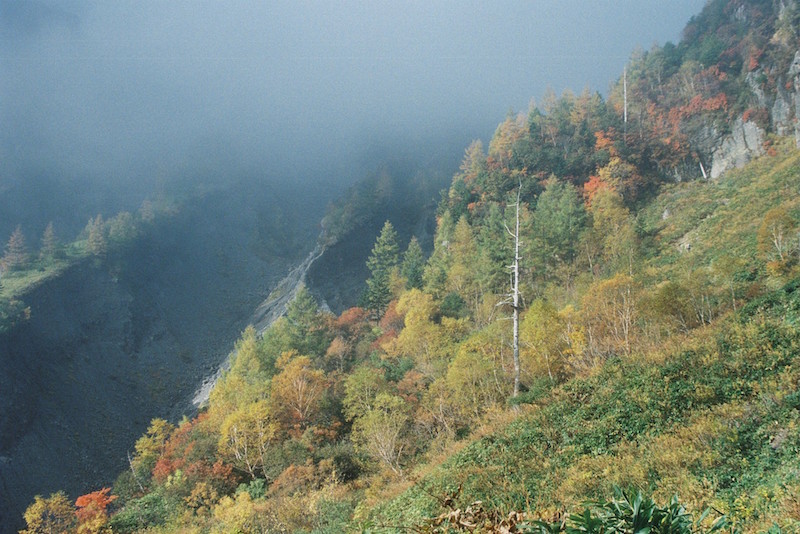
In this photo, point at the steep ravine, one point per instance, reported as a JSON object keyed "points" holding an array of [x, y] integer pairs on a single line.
{"points": [[108, 349], [269, 311]]}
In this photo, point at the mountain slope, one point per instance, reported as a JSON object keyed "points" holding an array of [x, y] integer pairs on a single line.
{"points": [[658, 335]]}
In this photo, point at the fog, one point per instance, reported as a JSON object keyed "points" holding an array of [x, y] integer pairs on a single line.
{"points": [[103, 102]]}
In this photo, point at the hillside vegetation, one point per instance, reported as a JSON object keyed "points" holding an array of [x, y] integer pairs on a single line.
{"points": [[658, 336]]}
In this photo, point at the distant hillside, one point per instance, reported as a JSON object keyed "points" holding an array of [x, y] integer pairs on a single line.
{"points": [[654, 234]]}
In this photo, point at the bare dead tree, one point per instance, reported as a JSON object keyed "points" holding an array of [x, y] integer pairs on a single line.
{"points": [[514, 295]]}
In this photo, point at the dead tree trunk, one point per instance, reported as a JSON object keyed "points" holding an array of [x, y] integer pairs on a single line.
{"points": [[515, 296]]}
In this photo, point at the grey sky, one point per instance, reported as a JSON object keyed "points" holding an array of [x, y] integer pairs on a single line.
{"points": [[120, 91]]}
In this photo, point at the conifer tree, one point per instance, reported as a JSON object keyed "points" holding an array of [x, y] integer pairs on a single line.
{"points": [[493, 253], [435, 275], [413, 265], [16, 252], [96, 240], [304, 323], [558, 219], [50, 244], [383, 259]]}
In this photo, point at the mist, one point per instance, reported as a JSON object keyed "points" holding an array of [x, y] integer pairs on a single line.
{"points": [[103, 103]]}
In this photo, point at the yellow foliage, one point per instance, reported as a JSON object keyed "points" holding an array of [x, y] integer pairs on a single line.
{"points": [[296, 393], [428, 343], [246, 436], [543, 341], [609, 310], [241, 514], [593, 477], [51, 515], [473, 383], [202, 498]]}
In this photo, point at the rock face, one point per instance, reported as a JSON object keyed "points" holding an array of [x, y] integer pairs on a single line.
{"points": [[746, 139], [745, 142], [794, 76], [103, 354]]}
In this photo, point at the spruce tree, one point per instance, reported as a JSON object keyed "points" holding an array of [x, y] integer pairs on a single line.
{"points": [[435, 275], [493, 253], [50, 244], [413, 265], [305, 325], [383, 259], [96, 244], [16, 252]]}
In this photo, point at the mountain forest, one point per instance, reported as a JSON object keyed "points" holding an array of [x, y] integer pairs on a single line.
{"points": [[601, 334]]}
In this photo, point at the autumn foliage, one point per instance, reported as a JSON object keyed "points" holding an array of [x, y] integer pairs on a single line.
{"points": [[92, 510], [659, 313]]}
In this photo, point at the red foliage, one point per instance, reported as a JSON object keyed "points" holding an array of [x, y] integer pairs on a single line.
{"points": [[164, 468], [93, 504], [192, 449], [391, 320], [352, 320]]}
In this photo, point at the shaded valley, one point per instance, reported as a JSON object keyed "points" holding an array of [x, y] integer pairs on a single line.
{"points": [[110, 345]]}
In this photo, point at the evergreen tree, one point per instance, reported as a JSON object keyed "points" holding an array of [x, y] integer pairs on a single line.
{"points": [[558, 221], [461, 277], [50, 244], [493, 253], [435, 275], [16, 255], [383, 259], [413, 265], [96, 242], [304, 324]]}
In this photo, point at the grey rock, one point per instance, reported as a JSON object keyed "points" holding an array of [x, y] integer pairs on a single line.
{"points": [[756, 88], [744, 143], [782, 116]]}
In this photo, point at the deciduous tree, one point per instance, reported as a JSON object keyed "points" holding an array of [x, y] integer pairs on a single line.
{"points": [[777, 237], [92, 511], [609, 309], [381, 432], [544, 342], [296, 392], [360, 390], [246, 436], [52, 515]]}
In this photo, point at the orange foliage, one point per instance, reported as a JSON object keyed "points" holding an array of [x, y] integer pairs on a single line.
{"points": [[592, 187], [412, 387], [383, 339], [91, 510], [605, 141], [755, 55], [182, 451], [294, 478], [352, 319]]}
